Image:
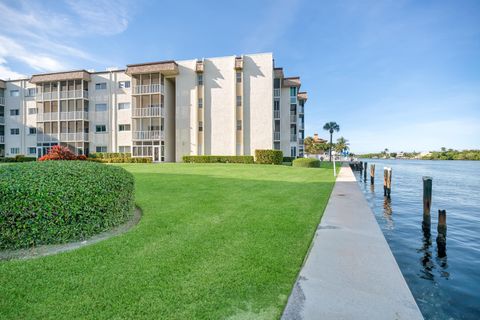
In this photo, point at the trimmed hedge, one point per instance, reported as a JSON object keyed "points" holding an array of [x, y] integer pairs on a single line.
{"points": [[218, 159], [109, 155], [306, 163], [59, 201], [288, 159], [122, 160], [268, 156], [18, 158]]}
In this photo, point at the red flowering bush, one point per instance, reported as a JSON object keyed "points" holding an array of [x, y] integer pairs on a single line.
{"points": [[61, 153]]}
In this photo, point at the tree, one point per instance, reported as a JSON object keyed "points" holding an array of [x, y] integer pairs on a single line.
{"points": [[342, 144], [313, 146], [331, 127]]}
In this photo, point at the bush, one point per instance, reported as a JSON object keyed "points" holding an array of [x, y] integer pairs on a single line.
{"points": [[110, 155], [18, 158], [61, 153], [59, 201], [306, 163], [288, 159], [121, 160], [268, 156], [218, 159]]}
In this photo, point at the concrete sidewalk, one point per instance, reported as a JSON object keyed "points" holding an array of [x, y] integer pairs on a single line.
{"points": [[350, 272]]}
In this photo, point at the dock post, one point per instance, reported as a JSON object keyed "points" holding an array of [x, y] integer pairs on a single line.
{"points": [[442, 233], [427, 203], [365, 172], [387, 181], [372, 174], [385, 174]]}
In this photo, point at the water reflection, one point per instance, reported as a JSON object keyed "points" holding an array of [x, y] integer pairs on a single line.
{"points": [[426, 259], [387, 213]]}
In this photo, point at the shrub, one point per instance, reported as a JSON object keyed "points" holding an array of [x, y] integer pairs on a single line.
{"points": [[60, 153], [59, 201], [306, 163], [218, 159], [288, 159], [121, 160], [109, 155], [268, 156], [18, 158]]}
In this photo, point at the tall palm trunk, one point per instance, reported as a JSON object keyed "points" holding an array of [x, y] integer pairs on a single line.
{"points": [[331, 134]]}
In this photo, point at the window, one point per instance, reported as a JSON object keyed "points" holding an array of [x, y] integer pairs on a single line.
{"points": [[200, 126], [32, 110], [200, 102], [276, 83], [100, 107], [200, 79], [31, 92], [276, 145], [99, 128], [32, 130], [15, 131], [276, 105], [293, 91], [124, 106], [124, 84], [293, 151], [123, 127], [239, 124], [101, 149], [101, 86], [239, 77], [14, 93], [239, 101], [15, 112], [124, 149], [32, 150], [14, 150]]}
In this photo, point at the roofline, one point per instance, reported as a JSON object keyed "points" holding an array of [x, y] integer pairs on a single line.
{"points": [[50, 73], [288, 78], [151, 63]]}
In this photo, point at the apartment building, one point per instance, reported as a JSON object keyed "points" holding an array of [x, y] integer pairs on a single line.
{"points": [[213, 106]]}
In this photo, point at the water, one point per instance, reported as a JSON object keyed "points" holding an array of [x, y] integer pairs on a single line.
{"points": [[444, 287]]}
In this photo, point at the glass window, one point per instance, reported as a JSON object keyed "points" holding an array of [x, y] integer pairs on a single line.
{"points": [[276, 83], [293, 91], [15, 112], [14, 150], [100, 128], [124, 127], [124, 149], [31, 92], [200, 79], [239, 101], [101, 86], [32, 150], [14, 93], [100, 107], [200, 126], [15, 131], [32, 110], [200, 102], [239, 124], [32, 130], [124, 105], [101, 149], [239, 77], [124, 84]]}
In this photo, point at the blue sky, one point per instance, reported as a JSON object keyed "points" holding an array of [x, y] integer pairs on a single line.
{"points": [[403, 75]]}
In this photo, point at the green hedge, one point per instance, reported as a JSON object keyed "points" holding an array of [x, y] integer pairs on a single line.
{"points": [[59, 201], [288, 159], [218, 159], [306, 163], [18, 158], [109, 155], [268, 156], [122, 160]]}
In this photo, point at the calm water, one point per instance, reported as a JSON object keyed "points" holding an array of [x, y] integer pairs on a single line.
{"points": [[448, 287]]}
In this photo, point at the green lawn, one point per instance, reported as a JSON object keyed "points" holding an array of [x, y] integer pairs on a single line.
{"points": [[216, 241]]}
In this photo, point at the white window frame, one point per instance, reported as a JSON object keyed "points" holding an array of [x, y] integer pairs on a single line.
{"points": [[100, 125], [124, 127], [101, 86], [101, 104], [123, 104]]}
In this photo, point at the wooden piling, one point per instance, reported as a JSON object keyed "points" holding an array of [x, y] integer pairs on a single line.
{"points": [[365, 172], [442, 233], [427, 202], [372, 174], [387, 181]]}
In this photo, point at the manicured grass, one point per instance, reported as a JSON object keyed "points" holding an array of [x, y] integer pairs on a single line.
{"points": [[216, 241]]}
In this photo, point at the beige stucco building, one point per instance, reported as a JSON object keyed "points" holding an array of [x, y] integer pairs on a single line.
{"points": [[213, 106]]}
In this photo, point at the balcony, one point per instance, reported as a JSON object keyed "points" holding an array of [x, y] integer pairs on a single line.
{"points": [[48, 116], [293, 118], [72, 94], [2, 139], [301, 125], [276, 114], [74, 136], [276, 136], [2, 101], [148, 135], [149, 88], [300, 142], [301, 109], [293, 137], [151, 111], [2, 120], [47, 137], [74, 115], [276, 93]]}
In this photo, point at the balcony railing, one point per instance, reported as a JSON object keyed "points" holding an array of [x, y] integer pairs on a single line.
{"points": [[71, 94], [276, 114], [293, 137], [148, 135], [151, 111], [47, 137], [300, 142], [301, 125], [74, 115], [2, 139], [2, 101], [48, 116], [276, 92], [293, 118], [2, 120], [301, 109], [276, 136], [149, 88], [74, 136]]}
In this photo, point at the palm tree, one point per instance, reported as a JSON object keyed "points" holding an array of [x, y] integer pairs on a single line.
{"points": [[342, 144], [331, 127]]}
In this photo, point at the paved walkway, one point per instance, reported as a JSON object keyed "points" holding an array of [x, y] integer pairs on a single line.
{"points": [[350, 272]]}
